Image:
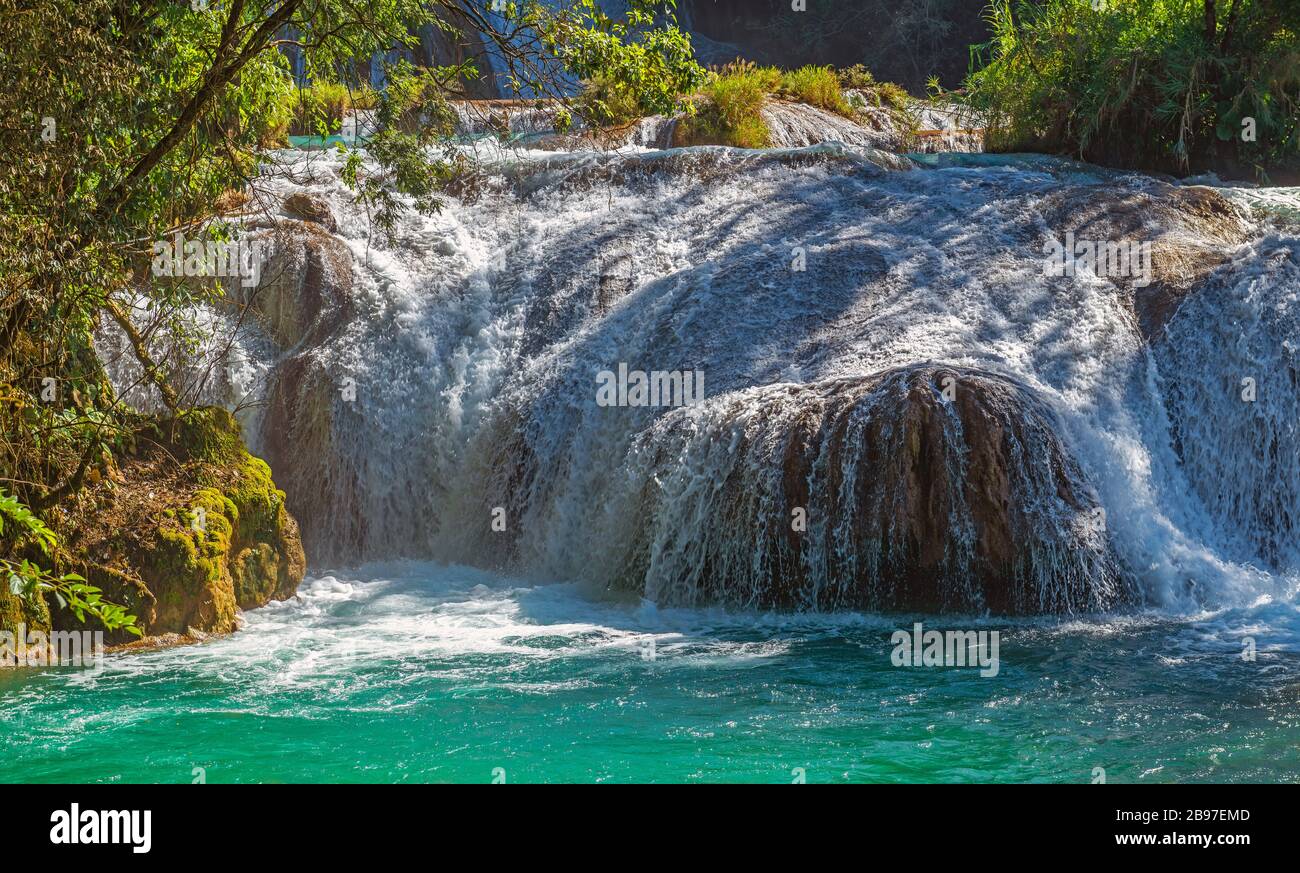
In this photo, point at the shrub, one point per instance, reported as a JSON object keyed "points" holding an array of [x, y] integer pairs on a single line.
{"points": [[882, 94], [816, 86], [857, 78], [1172, 85], [271, 125], [730, 109], [319, 109], [605, 103]]}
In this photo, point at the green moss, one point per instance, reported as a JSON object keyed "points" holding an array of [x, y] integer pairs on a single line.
{"points": [[258, 503], [209, 434], [255, 572], [232, 544], [15, 610], [185, 567]]}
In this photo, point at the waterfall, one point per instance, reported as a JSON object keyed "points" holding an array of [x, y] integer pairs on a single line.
{"points": [[899, 490], [883, 350], [1230, 370]]}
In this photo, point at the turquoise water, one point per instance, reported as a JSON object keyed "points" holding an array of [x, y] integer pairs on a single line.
{"points": [[415, 673], [323, 142]]}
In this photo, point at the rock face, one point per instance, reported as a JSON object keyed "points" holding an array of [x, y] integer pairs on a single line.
{"points": [[1191, 231], [302, 298], [305, 412], [814, 288], [1219, 317], [921, 488], [930, 38], [304, 302], [189, 531]]}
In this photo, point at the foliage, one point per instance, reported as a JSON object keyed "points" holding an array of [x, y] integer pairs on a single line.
{"points": [[319, 109], [1173, 85], [880, 94], [649, 66], [26, 579], [816, 86], [729, 111], [413, 117], [602, 103]]}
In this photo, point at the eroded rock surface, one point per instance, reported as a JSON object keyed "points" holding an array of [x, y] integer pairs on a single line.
{"points": [[1191, 231], [922, 488]]}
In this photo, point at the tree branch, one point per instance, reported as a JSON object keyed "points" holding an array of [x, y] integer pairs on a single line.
{"points": [[215, 79], [142, 355]]}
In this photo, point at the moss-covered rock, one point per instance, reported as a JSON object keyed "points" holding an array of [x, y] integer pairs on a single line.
{"points": [[197, 530], [15, 611]]}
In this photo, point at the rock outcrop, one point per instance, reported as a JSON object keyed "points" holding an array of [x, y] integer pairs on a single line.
{"points": [[1191, 231], [310, 208], [921, 488], [186, 531], [301, 298], [304, 302], [795, 125]]}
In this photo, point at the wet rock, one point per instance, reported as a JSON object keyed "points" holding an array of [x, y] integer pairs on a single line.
{"points": [[307, 410], [796, 125], [922, 488], [304, 292], [311, 208], [1191, 232]]}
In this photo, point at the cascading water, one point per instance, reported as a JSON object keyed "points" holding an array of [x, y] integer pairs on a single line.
{"points": [[1230, 370], [795, 125], [448, 408], [894, 481]]}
